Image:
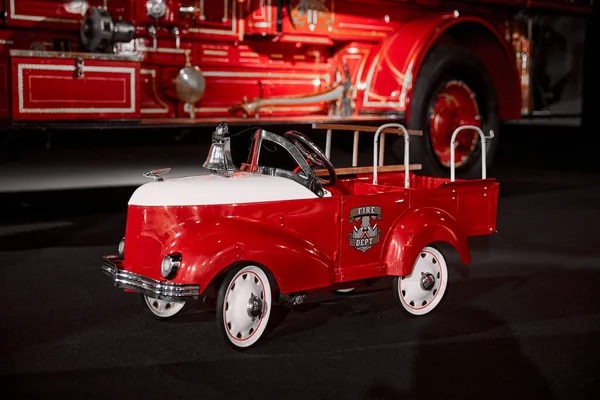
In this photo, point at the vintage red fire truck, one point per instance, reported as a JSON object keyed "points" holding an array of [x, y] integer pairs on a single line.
{"points": [[434, 65], [262, 234]]}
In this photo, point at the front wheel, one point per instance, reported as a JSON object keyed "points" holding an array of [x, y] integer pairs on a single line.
{"points": [[422, 291], [244, 306]]}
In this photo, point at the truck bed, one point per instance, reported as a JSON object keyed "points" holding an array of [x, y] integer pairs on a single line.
{"points": [[472, 204]]}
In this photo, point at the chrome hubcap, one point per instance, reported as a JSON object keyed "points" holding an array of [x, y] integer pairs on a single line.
{"points": [[244, 305], [421, 288], [427, 281], [254, 307], [455, 105]]}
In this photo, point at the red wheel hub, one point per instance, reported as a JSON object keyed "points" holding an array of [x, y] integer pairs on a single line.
{"points": [[455, 105]]}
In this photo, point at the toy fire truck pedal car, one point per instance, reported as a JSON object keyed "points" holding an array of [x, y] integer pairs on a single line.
{"points": [[247, 235]]}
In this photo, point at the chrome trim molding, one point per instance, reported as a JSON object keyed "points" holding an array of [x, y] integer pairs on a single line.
{"points": [[111, 266], [76, 55]]}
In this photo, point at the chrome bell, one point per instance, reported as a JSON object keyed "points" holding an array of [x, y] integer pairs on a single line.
{"points": [[219, 158]]}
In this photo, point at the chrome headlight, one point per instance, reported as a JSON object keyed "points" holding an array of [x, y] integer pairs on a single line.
{"points": [[169, 266], [121, 248]]}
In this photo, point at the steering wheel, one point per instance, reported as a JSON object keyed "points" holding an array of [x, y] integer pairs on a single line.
{"points": [[314, 157]]}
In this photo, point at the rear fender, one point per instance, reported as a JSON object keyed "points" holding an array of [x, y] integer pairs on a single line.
{"points": [[418, 229], [390, 78], [293, 262]]}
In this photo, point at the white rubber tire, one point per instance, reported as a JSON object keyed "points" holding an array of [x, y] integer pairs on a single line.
{"points": [[345, 291], [409, 291], [163, 309], [234, 321]]}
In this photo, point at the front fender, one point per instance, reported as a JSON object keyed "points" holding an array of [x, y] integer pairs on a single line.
{"points": [[296, 264], [390, 79], [417, 229]]}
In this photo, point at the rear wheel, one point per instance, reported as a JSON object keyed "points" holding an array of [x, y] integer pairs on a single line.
{"points": [[453, 89], [161, 309], [422, 291]]}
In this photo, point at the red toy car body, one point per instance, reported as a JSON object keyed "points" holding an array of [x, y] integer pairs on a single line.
{"points": [[258, 234]]}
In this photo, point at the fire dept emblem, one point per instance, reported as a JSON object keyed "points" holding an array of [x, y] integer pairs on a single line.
{"points": [[365, 233]]}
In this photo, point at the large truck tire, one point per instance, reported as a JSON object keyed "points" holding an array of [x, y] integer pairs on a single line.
{"points": [[453, 88]]}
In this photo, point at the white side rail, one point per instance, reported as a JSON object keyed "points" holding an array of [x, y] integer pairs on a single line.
{"points": [[453, 145], [406, 152]]}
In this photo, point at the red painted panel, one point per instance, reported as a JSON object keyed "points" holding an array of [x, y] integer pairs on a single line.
{"points": [[284, 236], [4, 88], [472, 203], [30, 39], [358, 56], [478, 207], [259, 17], [217, 14], [225, 87], [51, 13], [152, 102], [220, 19], [350, 19], [366, 221], [48, 88], [165, 53]]}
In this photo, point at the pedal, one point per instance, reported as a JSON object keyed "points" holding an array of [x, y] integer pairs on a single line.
{"points": [[292, 298]]}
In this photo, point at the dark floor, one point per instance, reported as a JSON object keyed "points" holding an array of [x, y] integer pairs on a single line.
{"points": [[521, 322]]}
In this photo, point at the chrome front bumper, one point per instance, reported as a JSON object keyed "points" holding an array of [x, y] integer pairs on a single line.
{"points": [[113, 267]]}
